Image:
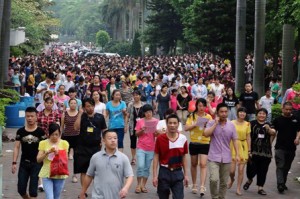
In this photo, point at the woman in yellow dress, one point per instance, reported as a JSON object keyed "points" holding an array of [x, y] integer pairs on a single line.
{"points": [[199, 145], [243, 130]]}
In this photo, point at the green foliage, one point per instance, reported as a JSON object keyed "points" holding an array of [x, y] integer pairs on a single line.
{"points": [[36, 19], [296, 87], [81, 18], [13, 95], [164, 25], [3, 102], [16, 51], [122, 48], [102, 38], [276, 111], [136, 49]]}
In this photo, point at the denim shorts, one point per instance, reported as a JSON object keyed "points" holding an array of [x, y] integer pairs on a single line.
{"points": [[28, 170]]}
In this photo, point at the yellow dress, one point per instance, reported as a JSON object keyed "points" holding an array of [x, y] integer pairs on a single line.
{"points": [[196, 133], [242, 131]]}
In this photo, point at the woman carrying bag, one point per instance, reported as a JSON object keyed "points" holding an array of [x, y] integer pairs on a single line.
{"points": [[53, 153]]}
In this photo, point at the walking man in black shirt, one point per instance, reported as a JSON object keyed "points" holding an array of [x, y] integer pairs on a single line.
{"points": [[28, 138], [288, 136], [249, 100]]}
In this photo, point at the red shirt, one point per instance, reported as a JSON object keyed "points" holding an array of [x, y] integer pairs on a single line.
{"points": [[206, 110], [170, 153], [44, 121]]}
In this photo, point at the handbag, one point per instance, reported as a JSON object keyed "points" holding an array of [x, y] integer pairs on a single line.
{"points": [[59, 164], [192, 106]]}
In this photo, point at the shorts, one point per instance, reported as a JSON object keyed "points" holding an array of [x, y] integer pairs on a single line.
{"points": [[72, 140], [197, 148], [82, 157]]}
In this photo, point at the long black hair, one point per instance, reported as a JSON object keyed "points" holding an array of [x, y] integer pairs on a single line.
{"points": [[200, 100]]}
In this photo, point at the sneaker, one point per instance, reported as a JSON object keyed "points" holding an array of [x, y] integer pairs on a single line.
{"points": [[280, 188], [41, 188], [74, 179]]}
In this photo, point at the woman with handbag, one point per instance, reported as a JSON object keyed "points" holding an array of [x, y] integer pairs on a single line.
{"points": [[53, 153]]}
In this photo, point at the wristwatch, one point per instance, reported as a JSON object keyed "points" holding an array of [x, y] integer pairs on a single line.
{"points": [[13, 163]]}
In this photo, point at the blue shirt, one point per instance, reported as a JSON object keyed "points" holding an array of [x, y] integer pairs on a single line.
{"points": [[116, 118]]}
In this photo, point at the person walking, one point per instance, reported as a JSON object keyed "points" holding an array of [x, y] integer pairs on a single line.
{"points": [[288, 136], [48, 149], [183, 99], [91, 125], [146, 132], [108, 168], [162, 101], [222, 132], [249, 100], [199, 145], [116, 112], [69, 133], [261, 150], [27, 139], [244, 146], [170, 155], [135, 113]]}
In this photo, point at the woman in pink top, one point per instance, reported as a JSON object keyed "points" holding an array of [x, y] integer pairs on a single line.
{"points": [[146, 132], [173, 100], [60, 97]]}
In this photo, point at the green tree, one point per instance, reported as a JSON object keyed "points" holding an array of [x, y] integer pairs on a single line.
{"points": [[122, 48], [164, 26], [136, 48], [102, 38]]}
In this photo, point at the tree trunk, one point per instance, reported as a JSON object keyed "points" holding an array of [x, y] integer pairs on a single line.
{"points": [[240, 45], [4, 43], [259, 47], [287, 55]]}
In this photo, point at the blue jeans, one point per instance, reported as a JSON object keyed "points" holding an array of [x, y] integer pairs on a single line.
{"points": [[28, 170], [144, 159], [53, 187], [120, 133]]}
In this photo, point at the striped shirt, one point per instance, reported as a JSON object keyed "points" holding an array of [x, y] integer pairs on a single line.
{"points": [[69, 125]]}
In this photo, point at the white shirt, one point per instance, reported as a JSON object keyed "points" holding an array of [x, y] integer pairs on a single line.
{"points": [[100, 108], [217, 89], [162, 125], [69, 85], [266, 103]]}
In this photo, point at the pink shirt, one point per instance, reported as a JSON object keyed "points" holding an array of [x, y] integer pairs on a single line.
{"points": [[173, 100], [146, 141], [290, 98]]}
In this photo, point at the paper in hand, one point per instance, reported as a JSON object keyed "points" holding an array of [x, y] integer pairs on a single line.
{"points": [[150, 126], [201, 122]]}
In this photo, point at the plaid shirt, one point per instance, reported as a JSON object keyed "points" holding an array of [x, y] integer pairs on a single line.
{"points": [[44, 121]]}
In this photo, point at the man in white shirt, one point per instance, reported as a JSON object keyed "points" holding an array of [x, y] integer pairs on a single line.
{"points": [[44, 86], [69, 83], [266, 102], [199, 90]]}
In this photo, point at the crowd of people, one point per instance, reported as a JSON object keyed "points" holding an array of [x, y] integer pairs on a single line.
{"points": [[86, 106]]}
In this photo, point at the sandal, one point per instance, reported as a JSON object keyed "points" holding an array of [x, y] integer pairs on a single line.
{"points": [[194, 189], [247, 185], [262, 192], [144, 190], [202, 191], [133, 161], [138, 190]]}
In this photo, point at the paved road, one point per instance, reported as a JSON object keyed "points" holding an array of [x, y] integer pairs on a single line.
{"points": [[72, 189]]}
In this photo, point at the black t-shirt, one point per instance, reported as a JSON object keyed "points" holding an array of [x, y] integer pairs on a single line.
{"points": [[183, 101], [287, 128], [248, 100], [230, 102], [30, 143], [91, 129]]}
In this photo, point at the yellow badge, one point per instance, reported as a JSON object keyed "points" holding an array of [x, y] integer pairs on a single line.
{"points": [[90, 129]]}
